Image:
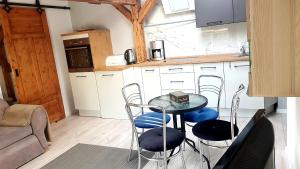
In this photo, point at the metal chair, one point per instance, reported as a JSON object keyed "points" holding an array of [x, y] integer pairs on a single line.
{"points": [[253, 147], [142, 120], [215, 87], [158, 140], [219, 130]]}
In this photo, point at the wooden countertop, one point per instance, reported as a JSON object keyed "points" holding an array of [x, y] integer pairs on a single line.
{"points": [[182, 61]]}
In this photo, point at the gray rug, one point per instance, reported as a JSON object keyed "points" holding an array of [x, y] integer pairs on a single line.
{"points": [[85, 156]]}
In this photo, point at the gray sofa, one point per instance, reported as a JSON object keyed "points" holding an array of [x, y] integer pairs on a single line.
{"points": [[19, 145]]}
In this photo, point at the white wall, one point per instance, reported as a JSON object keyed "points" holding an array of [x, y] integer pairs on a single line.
{"points": [[59, 22], [1, 96], [89, 16], [182, 39], [1, 93], [282, 105], [2, 85], [293, 134]]}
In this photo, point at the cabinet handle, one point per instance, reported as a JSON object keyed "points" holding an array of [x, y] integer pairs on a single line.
{"points": [[177, 81], [175, 69], [108, 75], [237, 66], [214, 23], [209, 67], [149, 70], [80, 76]]}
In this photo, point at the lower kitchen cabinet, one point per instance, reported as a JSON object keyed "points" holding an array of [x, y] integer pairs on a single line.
{"points": [[178, 81], [236, 73], [211, 69], [100, 94], [85, 93], [110, 84], [151, 83]]}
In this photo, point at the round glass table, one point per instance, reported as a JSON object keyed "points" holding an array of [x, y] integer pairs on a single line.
{"points": [[196, 102]]}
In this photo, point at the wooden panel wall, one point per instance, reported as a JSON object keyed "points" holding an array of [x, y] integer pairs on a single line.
{"points": [[296, 44], [271, 57]]}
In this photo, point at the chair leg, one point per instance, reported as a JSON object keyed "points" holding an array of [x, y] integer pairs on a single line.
{"points": [[165, 161], [157, 163], [200, 152], [227, 144], [139, 158], [182, 158], [131, 147], [207, 150]]}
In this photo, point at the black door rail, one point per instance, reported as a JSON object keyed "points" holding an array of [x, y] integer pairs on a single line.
{"points": [[7, 6]]}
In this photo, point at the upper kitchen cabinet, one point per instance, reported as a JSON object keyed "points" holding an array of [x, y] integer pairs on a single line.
{"points": [[273, 49], [239, 11], [218, 12], [87, 50]]}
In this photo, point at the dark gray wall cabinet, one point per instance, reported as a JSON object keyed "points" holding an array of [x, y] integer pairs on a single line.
{"points": [[219, 12]]}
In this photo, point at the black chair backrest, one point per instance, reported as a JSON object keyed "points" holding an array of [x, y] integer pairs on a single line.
{"points": [[253, 148]]}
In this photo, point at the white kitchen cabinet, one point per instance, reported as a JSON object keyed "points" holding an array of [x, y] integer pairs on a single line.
{"points": [[177, 78], [151, 83], [236, 73], [85, 93], [211, 69], [178, 81], [110, 84]]}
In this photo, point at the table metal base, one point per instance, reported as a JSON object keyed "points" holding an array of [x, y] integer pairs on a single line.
{"points": [[190, 142]]}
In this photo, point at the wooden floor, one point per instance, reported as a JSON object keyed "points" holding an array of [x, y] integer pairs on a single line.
{"points": [[116, 133]]}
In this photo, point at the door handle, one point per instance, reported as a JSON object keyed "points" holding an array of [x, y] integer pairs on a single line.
{"points": [[80, 76], [17, 72]]}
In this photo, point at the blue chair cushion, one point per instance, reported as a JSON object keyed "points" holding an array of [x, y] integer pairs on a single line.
{"points": [[152, 140], [150, 120], [214, 130], [201, 115]]}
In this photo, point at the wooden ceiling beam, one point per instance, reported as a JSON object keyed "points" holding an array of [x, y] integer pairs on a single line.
{"points": [[123, 10], [138, 33], [136, 15], [145, 10], [123, 2]]}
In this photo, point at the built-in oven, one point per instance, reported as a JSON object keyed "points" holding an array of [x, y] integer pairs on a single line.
{"points": [[79, 55]]}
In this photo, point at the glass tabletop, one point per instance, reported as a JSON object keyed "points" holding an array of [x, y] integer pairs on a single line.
{"points": [[195, 102]]}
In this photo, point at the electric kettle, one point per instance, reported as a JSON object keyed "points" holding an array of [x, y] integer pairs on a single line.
{"points": [[129, 56]]}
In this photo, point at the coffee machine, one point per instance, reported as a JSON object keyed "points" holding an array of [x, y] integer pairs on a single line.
{"points": [[157, 50]]}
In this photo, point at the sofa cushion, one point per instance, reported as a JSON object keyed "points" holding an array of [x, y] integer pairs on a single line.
{"points": [[10, 135], [20, 153], [3, 107]]}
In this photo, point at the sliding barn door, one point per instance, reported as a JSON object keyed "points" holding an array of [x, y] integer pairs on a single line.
{"points": [[31, 57]]}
